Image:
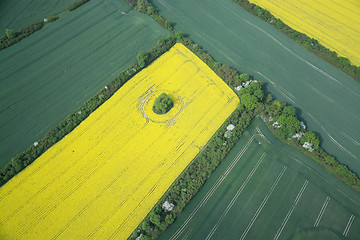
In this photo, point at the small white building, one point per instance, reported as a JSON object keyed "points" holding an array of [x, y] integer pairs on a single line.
{"points": [[230, 127], [308, 146], [228, 134], [298, 135], [276, 125], [168, 206], [238, 88], [246, 84]]}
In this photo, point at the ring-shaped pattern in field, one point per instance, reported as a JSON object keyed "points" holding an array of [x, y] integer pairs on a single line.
{"points": [[146, 103]]}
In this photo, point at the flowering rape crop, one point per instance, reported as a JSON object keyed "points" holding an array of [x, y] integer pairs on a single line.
{"points": [[334, 23], [102, 179]]}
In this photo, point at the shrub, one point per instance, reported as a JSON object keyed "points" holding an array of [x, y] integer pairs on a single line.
{"points": [[163, 104]]}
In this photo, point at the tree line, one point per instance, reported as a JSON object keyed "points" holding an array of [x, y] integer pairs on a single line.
{"points": [[290, 125]]}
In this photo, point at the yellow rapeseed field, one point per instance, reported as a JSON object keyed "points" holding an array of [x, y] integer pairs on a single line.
{"points": [[102, 179], [334, 23]]}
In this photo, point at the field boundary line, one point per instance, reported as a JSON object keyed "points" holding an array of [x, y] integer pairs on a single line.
{"points": [[247, 229], [322, 211], [348, 225], [233, 200], [213, 188], [280, 88], [262, 135], [332, 139], [288, 215], [351, 139]]}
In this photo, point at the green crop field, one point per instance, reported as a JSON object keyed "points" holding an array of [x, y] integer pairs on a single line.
{"points": [[265, 189], [21, 13], [46, 76], [327, 99]]}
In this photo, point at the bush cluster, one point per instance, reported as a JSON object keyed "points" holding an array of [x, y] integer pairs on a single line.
{"points": [[162, 104], [310, 44], [290, 125], [13, 37]]}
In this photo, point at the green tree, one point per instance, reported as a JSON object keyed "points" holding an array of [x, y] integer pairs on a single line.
{"points": [[169, 219], [151, 10], [145, 237], [142, 6], [279, 24], [275, 109], [268, 99], [155, 218], [10, 33], [244, 77], [141, 58], [329, 160], [289, 111], [249, 101], [311, 137], [289, 121], [259, 94], [146, 227], [163, 104], [179, 35]]}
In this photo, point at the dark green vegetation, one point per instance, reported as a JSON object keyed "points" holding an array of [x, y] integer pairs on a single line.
{"points": [[50, 74], [16, 36], [326, 98], [11, 37], [290, 125], [310, 44], [265, 190], [162, 104]]}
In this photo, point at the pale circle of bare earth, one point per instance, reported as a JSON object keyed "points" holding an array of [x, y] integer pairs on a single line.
{"points": [[146, 102]]}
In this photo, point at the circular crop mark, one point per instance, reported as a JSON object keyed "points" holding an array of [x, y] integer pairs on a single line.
{"points": [[146, 104]]}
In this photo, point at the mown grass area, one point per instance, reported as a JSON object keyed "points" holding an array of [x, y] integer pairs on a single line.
{"points": [[48, 75], [21, 13], [268, 191], [324, 96]]}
